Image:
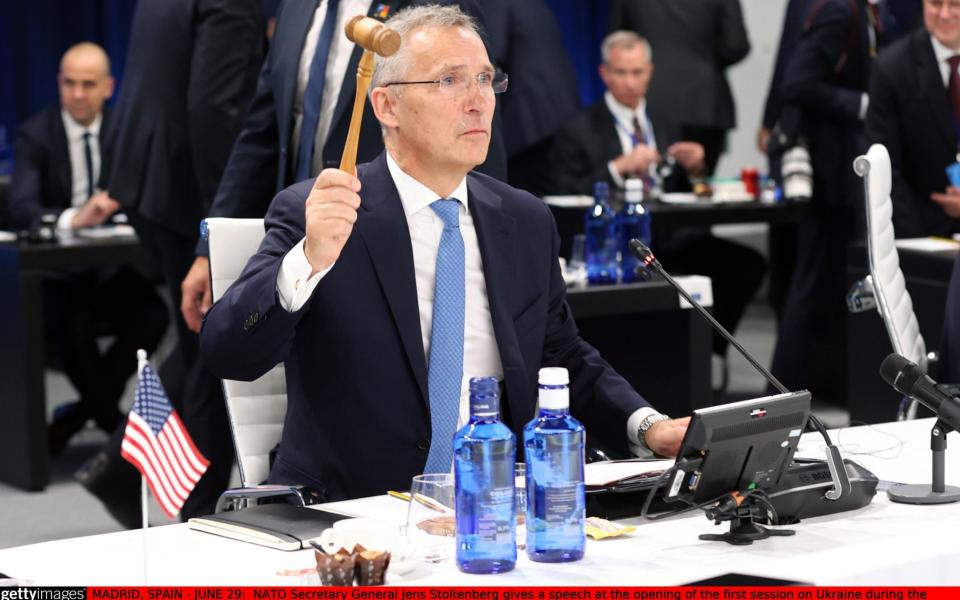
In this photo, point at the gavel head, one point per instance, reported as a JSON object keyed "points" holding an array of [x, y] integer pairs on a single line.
{"points": [[370, 34]]}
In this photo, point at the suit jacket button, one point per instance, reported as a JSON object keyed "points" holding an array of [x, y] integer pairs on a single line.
{"points": [[423, 444]]}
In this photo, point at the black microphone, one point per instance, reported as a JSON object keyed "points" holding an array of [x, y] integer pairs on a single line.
{"points": [[910, 380], [838, 473]]}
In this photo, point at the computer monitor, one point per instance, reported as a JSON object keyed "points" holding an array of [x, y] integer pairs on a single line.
{"points": [[739, 446]]}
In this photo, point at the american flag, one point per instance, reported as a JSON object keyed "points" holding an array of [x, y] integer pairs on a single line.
{"points": [[158, 445]]}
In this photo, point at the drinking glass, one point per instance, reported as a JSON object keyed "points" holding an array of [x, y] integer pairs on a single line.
{"points": [[431, 523], [577, 265]]}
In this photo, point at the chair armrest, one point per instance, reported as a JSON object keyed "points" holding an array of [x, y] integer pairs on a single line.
{"points": [[240, 498]]}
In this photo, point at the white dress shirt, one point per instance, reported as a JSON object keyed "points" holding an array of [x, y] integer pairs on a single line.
{"points": [[78, 163], [481, 357], [340, 50], [623, 118], [943, 54]]}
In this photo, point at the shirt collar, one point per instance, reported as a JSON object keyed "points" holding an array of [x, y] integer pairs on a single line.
{"points": [[940, 51], [624, 113], [75, 130], [414, 195]]}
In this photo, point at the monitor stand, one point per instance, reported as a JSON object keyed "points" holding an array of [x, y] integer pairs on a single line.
{"points": [[743, 527]]}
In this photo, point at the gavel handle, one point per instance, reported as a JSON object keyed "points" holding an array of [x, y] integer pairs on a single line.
{"points": [[348, 162]]}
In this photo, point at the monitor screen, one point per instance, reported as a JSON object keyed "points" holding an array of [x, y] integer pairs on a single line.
{"points": [[738, 446]]}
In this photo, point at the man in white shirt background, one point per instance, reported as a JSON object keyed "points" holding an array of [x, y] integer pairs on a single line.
{"points": [[59, 155]]}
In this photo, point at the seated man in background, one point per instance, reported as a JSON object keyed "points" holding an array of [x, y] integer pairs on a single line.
{"points": [[58, 160], [386, 292], [619, 137], [914, 111]]}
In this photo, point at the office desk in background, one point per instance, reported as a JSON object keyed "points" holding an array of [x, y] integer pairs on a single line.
{"points": [[881, 544], [927, 276], [24, 458]]}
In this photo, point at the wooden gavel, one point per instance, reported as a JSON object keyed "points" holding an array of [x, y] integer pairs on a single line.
{"points": [[373, 36]]}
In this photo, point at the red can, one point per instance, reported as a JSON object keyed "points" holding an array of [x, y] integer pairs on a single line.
{"points": [[751, 180]]}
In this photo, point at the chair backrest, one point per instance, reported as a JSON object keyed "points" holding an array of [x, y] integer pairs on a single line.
{"points": [[257, 408], [889, 286]]}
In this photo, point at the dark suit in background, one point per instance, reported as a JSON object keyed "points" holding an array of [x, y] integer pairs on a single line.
{"points": [[950, 343], [354, 353], [584, 147], [524, 40], [190, 73], [694, 41], [260, 164], [80, 306], [910, 114], [825, 81]]}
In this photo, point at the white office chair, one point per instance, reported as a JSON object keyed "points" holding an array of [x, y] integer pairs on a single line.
{"points": [[257, 408], [885, 286]]}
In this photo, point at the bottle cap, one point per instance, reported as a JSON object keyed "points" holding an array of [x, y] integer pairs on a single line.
{"points": [[484, 396], [634, 190], [554, 376]]}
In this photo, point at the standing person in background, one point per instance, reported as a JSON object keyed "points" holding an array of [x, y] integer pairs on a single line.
{"points": [[915, 112], [190, 73], [695, 41], [298, 120], [826, 81], [59, 156]]}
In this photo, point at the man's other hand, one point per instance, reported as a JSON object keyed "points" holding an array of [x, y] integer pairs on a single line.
{"points": [[949, 201], [95, 211], [331, 211], [689, 155], [196, 295], [664, 437], [638, 161]]}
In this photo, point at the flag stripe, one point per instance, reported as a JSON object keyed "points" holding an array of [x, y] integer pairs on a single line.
{"points": [[159, 446]]}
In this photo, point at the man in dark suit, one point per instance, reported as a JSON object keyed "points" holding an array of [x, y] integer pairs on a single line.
{"points": [[59, 153], [362, 282], [190, 72], [270, 153], [695, 42], [915, 112], [826, 82], [623, 136]]}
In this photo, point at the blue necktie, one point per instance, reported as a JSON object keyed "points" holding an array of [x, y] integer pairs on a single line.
{"points": [[314, 92], [445, 371], [88, 159]]}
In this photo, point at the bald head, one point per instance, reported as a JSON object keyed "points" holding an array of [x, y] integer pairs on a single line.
{"points": [[85, 81]]}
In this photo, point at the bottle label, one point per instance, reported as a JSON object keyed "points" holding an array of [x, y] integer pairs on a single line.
{"points": [[495, 503], [561, 503]]}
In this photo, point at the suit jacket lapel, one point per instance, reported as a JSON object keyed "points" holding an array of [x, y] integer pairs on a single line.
{"points": [[297, 16], [497, 238], [606, 129], [931, 85], [383, 227], [60, 160]]}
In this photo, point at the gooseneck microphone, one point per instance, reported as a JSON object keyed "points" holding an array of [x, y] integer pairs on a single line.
{"points": [[910, 380], [838, 473]]}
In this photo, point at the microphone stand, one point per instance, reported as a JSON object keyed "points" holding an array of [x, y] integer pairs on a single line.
{"points": [[936, 492], [838, 473]]}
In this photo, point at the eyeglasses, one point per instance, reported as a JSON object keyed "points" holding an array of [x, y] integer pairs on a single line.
{"points": [[455, 84]]}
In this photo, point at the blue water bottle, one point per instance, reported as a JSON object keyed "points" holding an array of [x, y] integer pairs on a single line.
{"points": [[633, 221], [484, 451], [600, 245], [556, 497]]}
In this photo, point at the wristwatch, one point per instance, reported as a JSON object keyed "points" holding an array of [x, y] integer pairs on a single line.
{"points": [[646, 424]]}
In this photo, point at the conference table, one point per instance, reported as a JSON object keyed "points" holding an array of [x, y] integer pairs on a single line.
{"points": [[881, 544], [24, 458]]}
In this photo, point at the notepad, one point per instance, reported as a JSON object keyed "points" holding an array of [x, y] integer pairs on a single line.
{"points": [[280, 526]]}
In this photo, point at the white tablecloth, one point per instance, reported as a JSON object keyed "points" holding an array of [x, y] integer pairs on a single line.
{"points": [[882, 544]]}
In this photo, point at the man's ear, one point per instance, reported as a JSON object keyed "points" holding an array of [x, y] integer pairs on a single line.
{"points": [[384, 103]]}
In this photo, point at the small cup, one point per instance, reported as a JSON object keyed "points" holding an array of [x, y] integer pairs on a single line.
{"points": [[372, 534]]}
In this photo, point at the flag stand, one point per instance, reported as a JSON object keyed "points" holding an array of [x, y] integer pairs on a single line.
{"points": [[141, 362]]}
